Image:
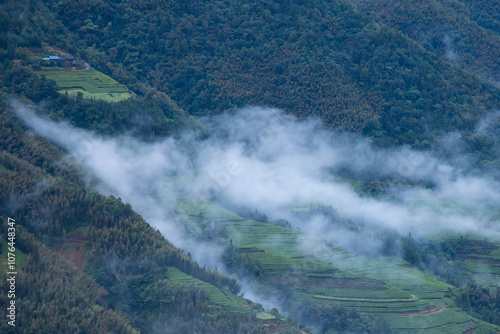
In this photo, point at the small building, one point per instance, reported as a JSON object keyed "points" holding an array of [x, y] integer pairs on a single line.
{"points": [[68, 60], [52, 58]]}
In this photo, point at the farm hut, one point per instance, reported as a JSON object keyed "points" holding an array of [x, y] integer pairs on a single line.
{"points": [[68, 60], [52, 58]]}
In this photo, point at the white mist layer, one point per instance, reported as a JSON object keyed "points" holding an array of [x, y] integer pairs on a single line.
{"points": [[260, 158]]}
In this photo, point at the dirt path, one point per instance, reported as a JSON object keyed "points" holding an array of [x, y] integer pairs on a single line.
{"points": [[87, 67], [431, 310], [23, 12]]}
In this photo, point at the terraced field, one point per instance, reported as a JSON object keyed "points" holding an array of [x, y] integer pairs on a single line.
{"points": [[307, 269], [231, 302], [91, 83], [215, 295], [482, 258]]}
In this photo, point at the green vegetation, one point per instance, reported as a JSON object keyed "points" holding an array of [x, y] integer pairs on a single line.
{"points": [[216, 296], [129, 279], [372, 300], [480, 302], [20, 258], [52, 309], [466, 32], [395, 71], [265, 316], [211, 56], [91, 84], [297, 269]]}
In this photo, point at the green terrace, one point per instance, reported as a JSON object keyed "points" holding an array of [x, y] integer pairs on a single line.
{"points": [[90, 83], [315, 271], [214, 294]]}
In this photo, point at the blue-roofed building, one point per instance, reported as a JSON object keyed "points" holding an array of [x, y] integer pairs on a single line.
{"points": [[52, 58]]}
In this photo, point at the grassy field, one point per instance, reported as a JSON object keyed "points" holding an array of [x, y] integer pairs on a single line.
{"points": [[315, 271], [20, 259], [215, 295], [91, 83], [482, 259], [230, 302]]}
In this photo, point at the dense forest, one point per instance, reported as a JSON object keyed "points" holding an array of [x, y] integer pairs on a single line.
{"points": [[69, 236], [464, 32], [361, 76], [399, 73], [122, 257], [211, 56]]}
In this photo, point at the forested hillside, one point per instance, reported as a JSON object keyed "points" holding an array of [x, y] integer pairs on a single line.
{"points": [[89, 263], [309, 58], [464, 32], [397, 72], [86, 262], [314, 58]]}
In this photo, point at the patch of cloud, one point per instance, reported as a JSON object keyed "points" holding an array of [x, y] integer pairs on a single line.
{"points": [[449, 51], [261, 158]]}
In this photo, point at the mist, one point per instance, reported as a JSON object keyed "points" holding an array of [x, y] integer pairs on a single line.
{"points": [[263, 159]]}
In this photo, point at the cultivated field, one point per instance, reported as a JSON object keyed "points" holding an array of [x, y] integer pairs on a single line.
{"points": [[230, 302], [91, 83], [215, 295], [299, 267]]}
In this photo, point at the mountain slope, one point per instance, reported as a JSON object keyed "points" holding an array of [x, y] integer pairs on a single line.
{"points": [[72, 237], [466, 33], [315, 58], [294, 270]]}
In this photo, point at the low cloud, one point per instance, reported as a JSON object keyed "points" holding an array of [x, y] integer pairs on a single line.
{"points": [[263, 159]]}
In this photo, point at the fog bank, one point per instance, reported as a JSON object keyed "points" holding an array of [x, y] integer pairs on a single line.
{"points": [[262, 159]]}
